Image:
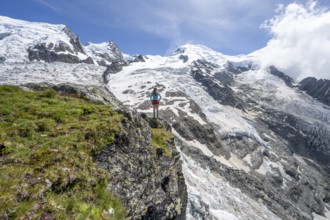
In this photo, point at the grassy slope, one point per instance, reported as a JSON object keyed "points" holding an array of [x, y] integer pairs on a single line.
{"points": [[47, 144], [160, 139]]}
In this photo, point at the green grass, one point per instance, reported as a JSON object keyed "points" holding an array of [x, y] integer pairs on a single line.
{"points": [[160, 140], [48, 143]]}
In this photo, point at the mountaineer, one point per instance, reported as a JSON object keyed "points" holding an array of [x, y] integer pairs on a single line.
{"points": [[155, 98]]}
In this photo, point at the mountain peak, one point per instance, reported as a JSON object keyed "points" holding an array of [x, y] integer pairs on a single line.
{"points": [[193, 52], [20, 36], [196, 49], [23, 41], [104, 53]]}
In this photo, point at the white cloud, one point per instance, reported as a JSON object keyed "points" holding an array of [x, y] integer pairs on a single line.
{"points": [[301, 41]]}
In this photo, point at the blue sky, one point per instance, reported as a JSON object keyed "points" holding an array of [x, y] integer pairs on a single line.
{"points": [[158, 26]]}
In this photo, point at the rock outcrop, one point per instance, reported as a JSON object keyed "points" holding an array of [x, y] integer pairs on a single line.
{"points": [[287, 79], [111, 69], [105, 54], [218, 90], [319, 89], [61, 51], [149, 182]]}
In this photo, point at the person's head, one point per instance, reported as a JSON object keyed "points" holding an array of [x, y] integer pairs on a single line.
{"points": [[155, 90]]}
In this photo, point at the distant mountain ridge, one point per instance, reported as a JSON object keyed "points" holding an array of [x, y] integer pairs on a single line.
{"points": [[23, 41], [319, 89]]}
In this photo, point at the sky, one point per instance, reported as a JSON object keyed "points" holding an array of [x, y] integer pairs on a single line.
{"points": [[287, 31]]}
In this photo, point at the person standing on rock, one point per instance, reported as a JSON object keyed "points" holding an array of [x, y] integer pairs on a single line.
{"points": [[155, 98]]}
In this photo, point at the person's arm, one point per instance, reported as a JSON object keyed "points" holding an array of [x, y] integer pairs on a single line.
{"points": [[160, 97]]}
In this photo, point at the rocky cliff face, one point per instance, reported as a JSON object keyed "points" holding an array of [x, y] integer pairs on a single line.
{"points": [[51, 53], [319, 89], [149, 181], [217, 84], [105, 54], [59, 52]]}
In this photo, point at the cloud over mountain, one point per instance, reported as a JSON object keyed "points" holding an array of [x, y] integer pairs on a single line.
{"points": [[301, 40]]}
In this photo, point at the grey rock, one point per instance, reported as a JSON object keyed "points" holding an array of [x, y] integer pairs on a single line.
{"points": [[184, 58], [190, 129], [224, 77], [74, 40], [61, 52], [113, 55], [237, 69], [113, 68], [319, 89], [218, 90], [263, 188], [288, 80], [138, 58], [152, 186], [49, 54], [305, 139]]}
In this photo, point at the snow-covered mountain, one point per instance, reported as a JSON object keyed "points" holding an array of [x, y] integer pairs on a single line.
{"points": [[23, 41], [253, 145]]}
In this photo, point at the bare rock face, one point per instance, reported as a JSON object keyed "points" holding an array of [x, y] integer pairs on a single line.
{"points": [[60, 52], [50, 54], [319, 89], [214, 86], [150, 184], [105, 54], [274, 71], [113, 68]]}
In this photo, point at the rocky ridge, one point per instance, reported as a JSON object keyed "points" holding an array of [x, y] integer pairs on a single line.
{"points": [[51, 43], [150, 184], [317, 88]]}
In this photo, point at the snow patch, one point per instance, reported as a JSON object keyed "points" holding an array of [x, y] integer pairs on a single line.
{"points": [[326, 217]]}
